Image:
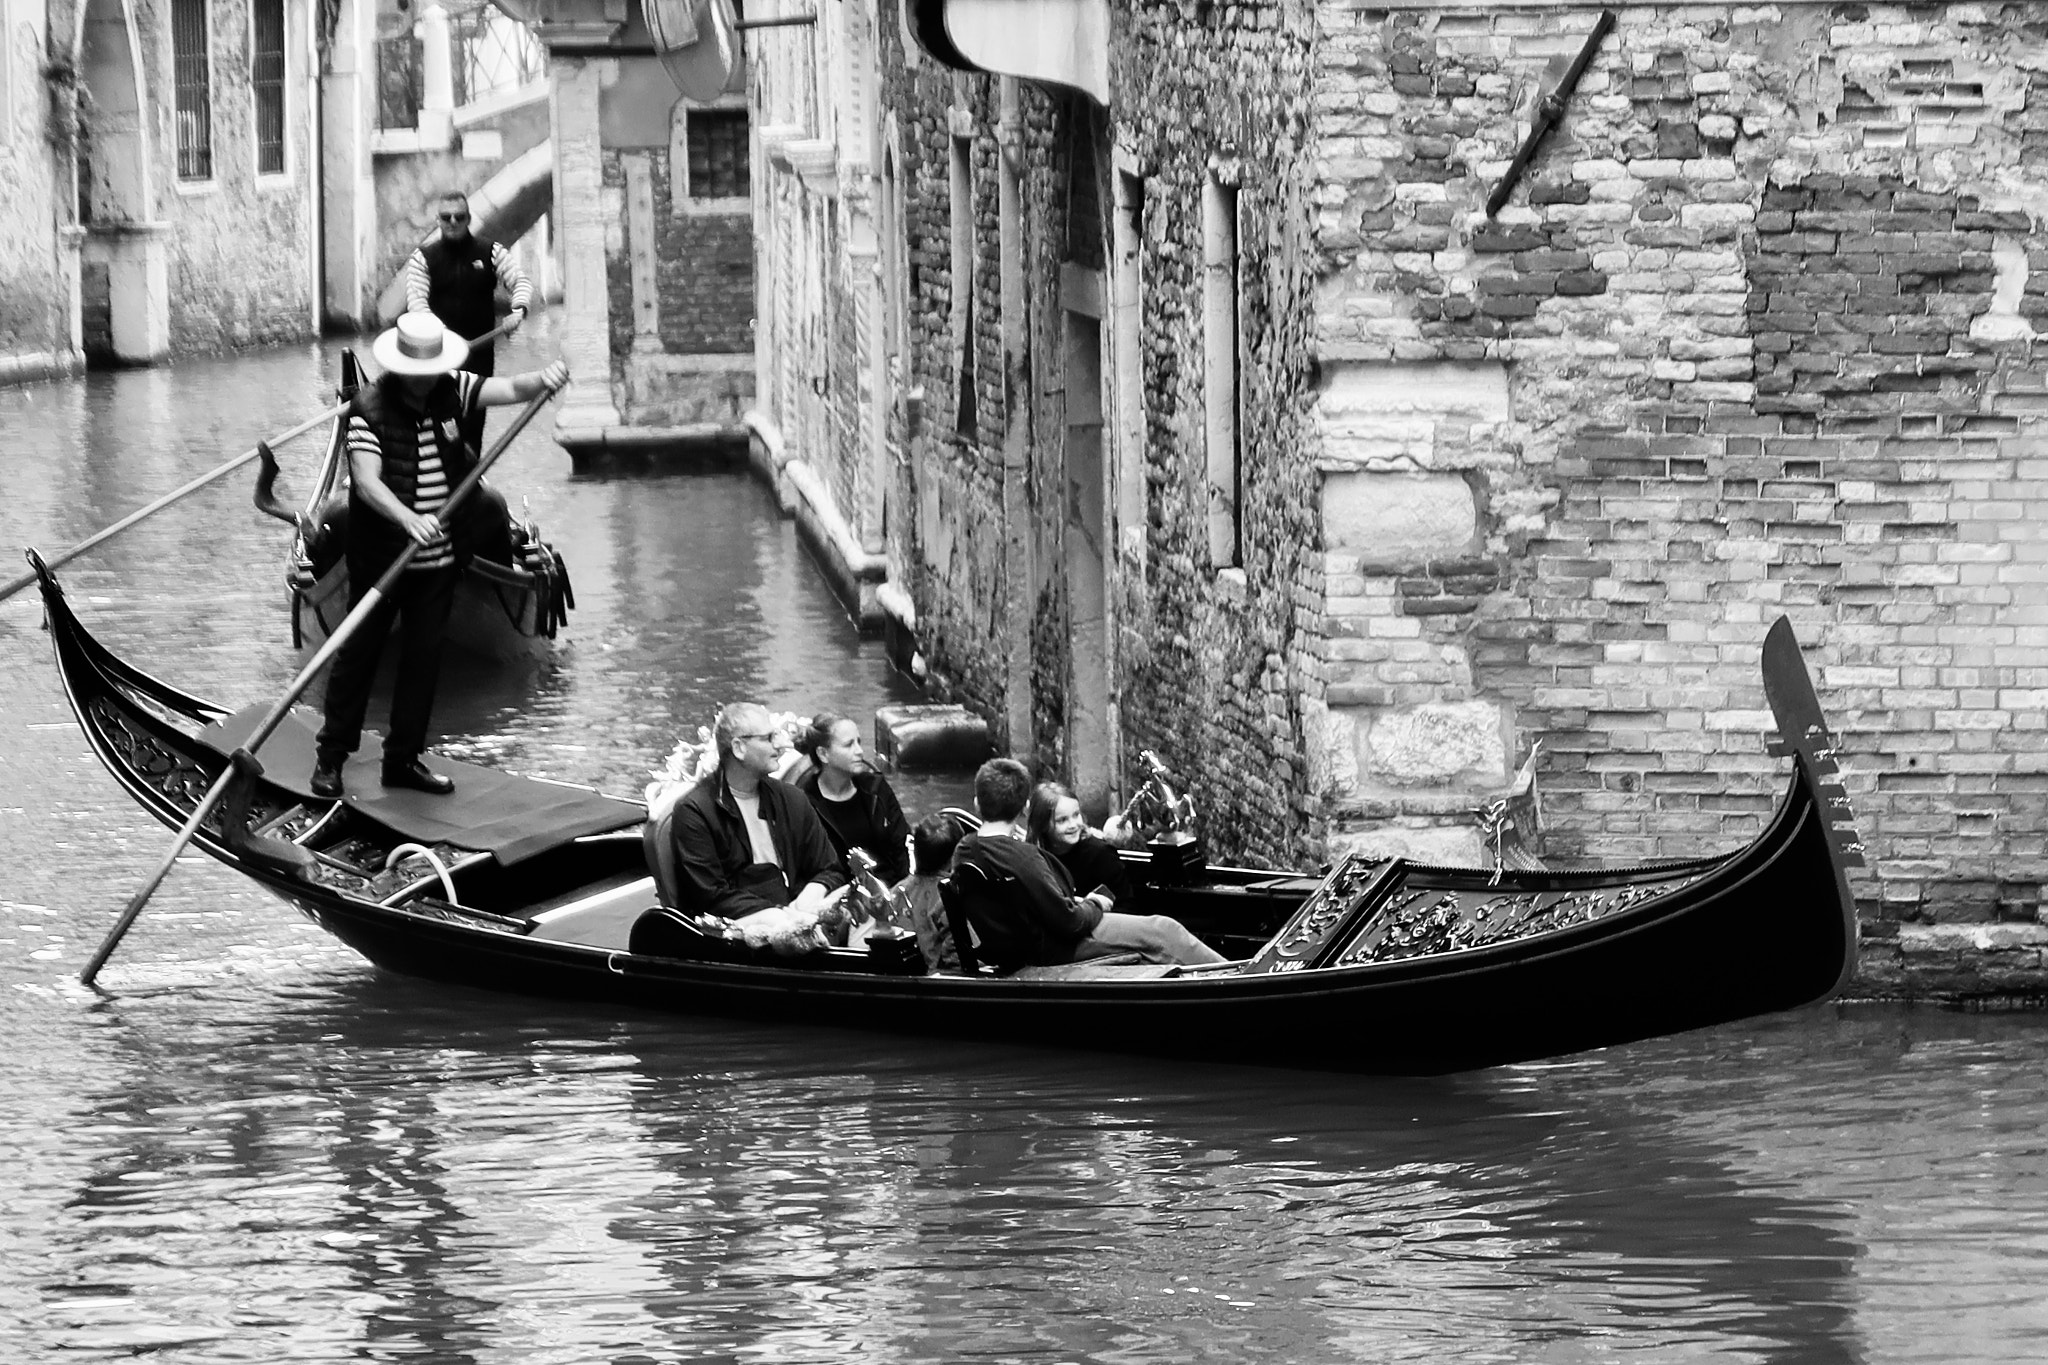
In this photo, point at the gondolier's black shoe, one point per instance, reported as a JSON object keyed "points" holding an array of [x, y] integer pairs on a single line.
{"points": [[419, 777], [326, 779]]}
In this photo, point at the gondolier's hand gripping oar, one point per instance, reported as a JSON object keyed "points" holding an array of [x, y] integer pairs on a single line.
{"points": [[277, 713], [16, 585]]}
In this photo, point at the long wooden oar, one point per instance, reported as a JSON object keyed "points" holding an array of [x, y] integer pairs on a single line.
{"points": [[275, 717], [16, 585]]}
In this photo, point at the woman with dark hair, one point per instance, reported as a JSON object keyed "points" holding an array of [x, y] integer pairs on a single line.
{"points": [[855, 802], [1056, 825]]}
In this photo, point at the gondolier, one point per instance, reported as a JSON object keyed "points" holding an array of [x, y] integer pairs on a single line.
{"points": [[455, 276], [405, 453]]}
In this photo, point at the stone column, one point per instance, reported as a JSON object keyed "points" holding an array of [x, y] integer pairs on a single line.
{"points": [[436, 118], [70, 293], [348, 191], [139, 290], [587, 406]]}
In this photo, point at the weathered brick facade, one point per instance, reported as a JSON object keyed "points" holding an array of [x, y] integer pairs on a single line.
{"points": [[1208, 675], [1764, 317], [702, 268], [1754, 335], [679, 271]]}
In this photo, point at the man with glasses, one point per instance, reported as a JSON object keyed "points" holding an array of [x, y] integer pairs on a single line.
{"points": [[455, 276], [745, 841]]}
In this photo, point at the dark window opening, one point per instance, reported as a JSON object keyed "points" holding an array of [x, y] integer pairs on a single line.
{"points": [[194, 89], [266, 75], [718, 154]]}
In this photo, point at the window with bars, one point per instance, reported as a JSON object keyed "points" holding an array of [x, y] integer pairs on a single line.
{"points": [[266, 77], [718, 153], [194, 87]]}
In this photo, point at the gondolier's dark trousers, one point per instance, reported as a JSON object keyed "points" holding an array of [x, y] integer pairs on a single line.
{"points": [[421, 601]]}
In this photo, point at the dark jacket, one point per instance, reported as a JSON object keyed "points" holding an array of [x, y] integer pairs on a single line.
{"points": [[1093, 861], [873, 796], [715, 867], [1031, 918]]}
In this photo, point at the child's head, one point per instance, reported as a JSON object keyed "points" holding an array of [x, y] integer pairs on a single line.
{"points": [[932, 843]]}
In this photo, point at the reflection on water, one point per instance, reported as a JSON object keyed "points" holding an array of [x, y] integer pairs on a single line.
{"points": [[340, 1165], [259, 1149]]}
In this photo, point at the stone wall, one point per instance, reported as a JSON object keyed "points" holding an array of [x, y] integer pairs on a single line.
{"points": [[1223, 667], [240, 243], [34, 312], [1761, 322], [689, 358], [1754, 335], [1215, 670], [235, 247], [960, 565]]}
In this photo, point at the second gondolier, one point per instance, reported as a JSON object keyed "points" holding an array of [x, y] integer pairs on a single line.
{"points": [[456, 275]]}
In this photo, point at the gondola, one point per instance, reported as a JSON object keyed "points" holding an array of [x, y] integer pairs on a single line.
{"points": [[514, 596], [522, 885]]}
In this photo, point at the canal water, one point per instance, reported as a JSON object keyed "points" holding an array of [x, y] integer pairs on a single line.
{"points": [[254, 1147]]}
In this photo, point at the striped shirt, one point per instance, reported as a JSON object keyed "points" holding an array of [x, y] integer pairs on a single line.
{"points": [[418, 283], [430, 488]]}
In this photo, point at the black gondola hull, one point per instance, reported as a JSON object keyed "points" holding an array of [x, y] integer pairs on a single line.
{"points": [[1654, 950]]}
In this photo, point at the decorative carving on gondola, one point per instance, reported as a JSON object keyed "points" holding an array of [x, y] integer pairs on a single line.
{"points": [[1328, 915], [1411, 924], [170, 772]]}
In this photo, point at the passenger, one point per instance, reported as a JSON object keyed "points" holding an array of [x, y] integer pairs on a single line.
{"points": [[855, 802], [1046, 923], [932, 843], [744, 841], [1056, 825]]}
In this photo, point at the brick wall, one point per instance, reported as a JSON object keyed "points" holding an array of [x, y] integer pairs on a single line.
{"points": [[1764, 314], [704, 267], [1753, 336], [696, 365], [955, 544], [1210, 672]]}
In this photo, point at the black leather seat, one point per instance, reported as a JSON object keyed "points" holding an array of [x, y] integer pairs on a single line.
{"points": [[666, 931], [658, 843], [970, 889]]}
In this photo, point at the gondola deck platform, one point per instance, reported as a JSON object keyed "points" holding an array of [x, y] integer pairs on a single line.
{"points": [[507, 816]]}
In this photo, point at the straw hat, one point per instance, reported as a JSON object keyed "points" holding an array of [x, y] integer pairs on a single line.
{"points": [[419, 344]]}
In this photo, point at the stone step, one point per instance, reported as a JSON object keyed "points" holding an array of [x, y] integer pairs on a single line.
{"points": [[932, 737]]}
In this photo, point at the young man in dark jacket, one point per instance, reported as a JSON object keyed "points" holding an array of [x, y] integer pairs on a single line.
{"points": [[1036, 919], [744, 841]]}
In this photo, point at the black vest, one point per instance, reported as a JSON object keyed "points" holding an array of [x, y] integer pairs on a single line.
{"points": [[396, 423], [462, 285]]}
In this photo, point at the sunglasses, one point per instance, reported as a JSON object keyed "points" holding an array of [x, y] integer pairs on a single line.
{"points": [[454, 217]]}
